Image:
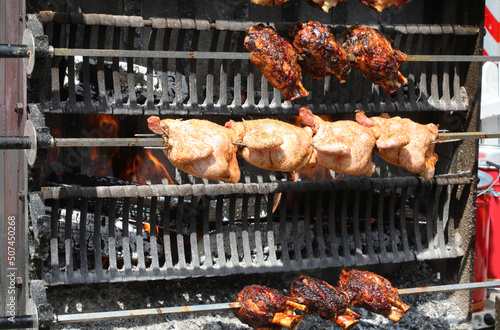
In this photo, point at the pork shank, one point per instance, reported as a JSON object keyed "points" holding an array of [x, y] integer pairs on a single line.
{"points": [[266, 308], [343, 146], [321, 54], [376, 56], [372, 292], [325, 300], [277, 60], [403, 142], [274, 145], [199, 147]]}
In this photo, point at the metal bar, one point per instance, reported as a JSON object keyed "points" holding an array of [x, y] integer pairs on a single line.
{"points": [[109, 142], [468, 135], [14, 51], [241, 55], [15, 142], [449, 287], [85, 317]]}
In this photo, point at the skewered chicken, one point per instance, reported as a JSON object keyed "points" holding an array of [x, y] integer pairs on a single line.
{"points": [[321, 54], [380, 5], [325, 300], [277, 60], [266, 308], [403, 142], [372, 292], [199, 147], [375, 56], [274, 145], [268, 2], [343, 146]]}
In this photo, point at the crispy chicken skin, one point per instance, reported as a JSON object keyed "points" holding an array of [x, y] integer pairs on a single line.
{"points": [[403, 142], [380, 5], [372, 292], [324, 4], [265, 308], [275, 145], [377, 57], [321, 54], [199, 147], [277, 60], [343, 146], [268, 2], [325, 300]]}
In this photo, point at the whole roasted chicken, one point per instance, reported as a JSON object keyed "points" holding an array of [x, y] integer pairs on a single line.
{"points": [[372, 292], [199, 147], [343, 146], [277, 60], [266, 308], [321, 54], [377, 57], [325, 300], [274, 145], [403, 142]]}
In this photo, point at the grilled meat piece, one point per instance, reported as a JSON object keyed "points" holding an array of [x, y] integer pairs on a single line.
{"points": [[199, 147], [372, 292], [275, 145], [324, 4], [321, 54], [325, 300], [403, 142], [380, 5], [343, 146], [277, 60], [376, 56], [268, 2], [265, 308]]}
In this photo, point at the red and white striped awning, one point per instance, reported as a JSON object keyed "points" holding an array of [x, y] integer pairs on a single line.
{"points": [[492, 25]]}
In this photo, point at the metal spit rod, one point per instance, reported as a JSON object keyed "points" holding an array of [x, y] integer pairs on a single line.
{"points": [[84, 317]]}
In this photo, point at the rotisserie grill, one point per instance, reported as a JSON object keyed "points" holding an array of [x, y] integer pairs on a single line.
{"points": [[226, 185]]}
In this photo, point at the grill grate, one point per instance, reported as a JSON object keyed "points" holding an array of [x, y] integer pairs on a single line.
{"points": [[208, 230], [228, 87]]}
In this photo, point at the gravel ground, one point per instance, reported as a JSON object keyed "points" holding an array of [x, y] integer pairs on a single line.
{"points": [[434, 311]]}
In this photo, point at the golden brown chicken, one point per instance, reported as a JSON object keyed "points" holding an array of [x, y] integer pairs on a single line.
{"points": [[343, 146], [377, 57], [268, 2], [265, 308], [380, 5], [275, 145], [277, 60], [324, 4], [325, 300], [372, 292], [403, 142], [199, 147], [321, 54]]}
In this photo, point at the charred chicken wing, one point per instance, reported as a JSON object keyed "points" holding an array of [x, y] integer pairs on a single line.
{"points": [[265, 308], [199, 147], [277, 60], [380, 5], [403, 142], [343, 146], [321, 54], [275, 145], [325, 300], [372, 292], [375, 56]]}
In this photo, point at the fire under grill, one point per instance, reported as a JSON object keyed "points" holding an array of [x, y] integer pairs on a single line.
{"points": [[177, 231], [224, 83]]}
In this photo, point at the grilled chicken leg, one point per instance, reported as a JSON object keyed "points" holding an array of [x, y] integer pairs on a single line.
{"points": [[372, 292], [277, 60], [199, 147]]}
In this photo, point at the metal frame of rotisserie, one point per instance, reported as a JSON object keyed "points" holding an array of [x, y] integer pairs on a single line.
{"points": [[233, 88]]}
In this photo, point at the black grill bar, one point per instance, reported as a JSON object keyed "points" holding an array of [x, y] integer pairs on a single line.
{"points": [[153, 232]]}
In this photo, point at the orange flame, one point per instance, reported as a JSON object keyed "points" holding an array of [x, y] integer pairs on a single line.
{"points": [[144, 170], [107, 127]]}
